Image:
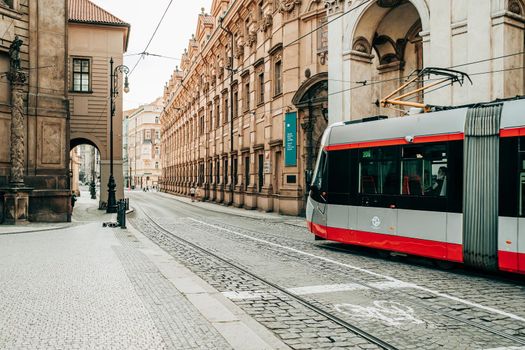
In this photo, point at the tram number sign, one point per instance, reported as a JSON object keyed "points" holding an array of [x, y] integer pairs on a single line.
{"points": [[290, 142]]}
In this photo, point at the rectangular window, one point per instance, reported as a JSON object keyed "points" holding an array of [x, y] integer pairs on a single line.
{"points": [[261, 88], [81, 74], [201, 125], [278, 70], [201, 174], [424, 170], [210, 117], [261, 11], [260, 172], [217, 113], [235, 104], [378, 171], [339, 176], [147, 135], [246, 101], [157, 135], [218, 172], [246, 172], [226, 113], [225, 181], [521, 178], [234, 171]]}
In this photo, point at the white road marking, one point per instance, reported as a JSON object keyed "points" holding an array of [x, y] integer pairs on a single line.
{"points": [[389, 278], [392, 285], [347, 287], [389, 312], [245, 295], [328, 288]]}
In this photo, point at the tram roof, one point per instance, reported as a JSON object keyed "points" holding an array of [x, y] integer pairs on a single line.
{"points": [[445, 120]]}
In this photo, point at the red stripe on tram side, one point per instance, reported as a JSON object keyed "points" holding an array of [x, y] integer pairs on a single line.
{"points": [[511, 261], [413, 246], [514, 132], [396, 142]]}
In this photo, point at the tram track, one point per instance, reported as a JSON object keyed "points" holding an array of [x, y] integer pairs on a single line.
{"points": [[346, 325], [351, 327], [431, 309]]}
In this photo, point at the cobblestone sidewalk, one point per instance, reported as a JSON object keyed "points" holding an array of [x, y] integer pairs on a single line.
{"points": [[88, 287]]}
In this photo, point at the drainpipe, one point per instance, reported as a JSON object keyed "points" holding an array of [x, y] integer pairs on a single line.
{"points": [[232, 71]]}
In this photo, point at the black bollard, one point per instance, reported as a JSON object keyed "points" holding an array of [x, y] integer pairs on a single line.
{"points": [[123, 214]]}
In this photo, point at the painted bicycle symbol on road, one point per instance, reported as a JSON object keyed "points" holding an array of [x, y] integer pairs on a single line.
{"points": [[389, 312]]}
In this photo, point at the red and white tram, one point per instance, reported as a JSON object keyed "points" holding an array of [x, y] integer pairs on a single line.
{"points": [[448, 185]]}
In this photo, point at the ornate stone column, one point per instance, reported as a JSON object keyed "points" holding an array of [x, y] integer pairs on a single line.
{"points": [[16, 195]]}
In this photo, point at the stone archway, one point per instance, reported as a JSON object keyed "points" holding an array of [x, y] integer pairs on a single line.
{"points": [[85, 166], [311, 100], [386, 47]]}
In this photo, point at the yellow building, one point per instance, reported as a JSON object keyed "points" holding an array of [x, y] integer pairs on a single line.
{"points": [[244, 114], [143, 141], [95, 37]]}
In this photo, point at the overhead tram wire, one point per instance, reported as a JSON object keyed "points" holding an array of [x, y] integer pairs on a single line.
{"points": [[265, 58], [375, 82], [154, 55], [152, 37]]}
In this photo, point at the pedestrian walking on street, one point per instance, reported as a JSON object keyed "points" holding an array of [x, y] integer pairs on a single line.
{"points": [[192, 193]]}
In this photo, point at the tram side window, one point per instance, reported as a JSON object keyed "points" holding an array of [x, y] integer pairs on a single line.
{"points": [[319, 180], [339, 171], [521, 183], [424, 170], [378, 170]]}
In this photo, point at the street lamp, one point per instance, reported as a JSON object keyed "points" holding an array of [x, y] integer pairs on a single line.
{"points": [[113, 85]]}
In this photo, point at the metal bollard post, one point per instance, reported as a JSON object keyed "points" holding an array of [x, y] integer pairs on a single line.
{"points": [[123, 214], [119, 214]]}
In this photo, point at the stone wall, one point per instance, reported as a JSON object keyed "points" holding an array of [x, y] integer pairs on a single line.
{"points": [[41, 25]]}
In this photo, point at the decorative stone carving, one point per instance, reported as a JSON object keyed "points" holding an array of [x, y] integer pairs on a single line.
{"points": [[252, 38], [362, 45], [515, 7], [323, 57], [288, 5], [334, 6], [266, 23], [17, 79], [239, 47], [17, 138]]}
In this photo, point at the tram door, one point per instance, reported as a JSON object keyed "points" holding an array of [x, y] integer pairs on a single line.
{"points": [[318, 194], [481, 190]]}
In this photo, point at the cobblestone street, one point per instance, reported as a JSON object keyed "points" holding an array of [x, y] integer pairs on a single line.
{"points": [[407, 302], [202, 276]]}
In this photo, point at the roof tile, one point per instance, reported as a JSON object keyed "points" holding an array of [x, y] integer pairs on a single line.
{"points": [[84, 11]]}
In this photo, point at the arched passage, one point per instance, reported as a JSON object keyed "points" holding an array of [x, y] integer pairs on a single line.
{"points": [[386, 47], [84, 167], [311, 100]]}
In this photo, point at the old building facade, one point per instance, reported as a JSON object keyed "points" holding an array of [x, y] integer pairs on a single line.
{"points": [[143, 145], [376, 44], [244, 113], [34, 156], [95, 37]]}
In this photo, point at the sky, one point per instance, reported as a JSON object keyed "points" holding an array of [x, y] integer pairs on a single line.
{"points": [[148, 80]]}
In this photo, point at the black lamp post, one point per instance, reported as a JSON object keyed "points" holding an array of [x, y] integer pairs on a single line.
{"points": [[113, 85]]}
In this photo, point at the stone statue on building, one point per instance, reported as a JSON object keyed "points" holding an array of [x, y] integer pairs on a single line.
{"points": [[14, 54]]}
